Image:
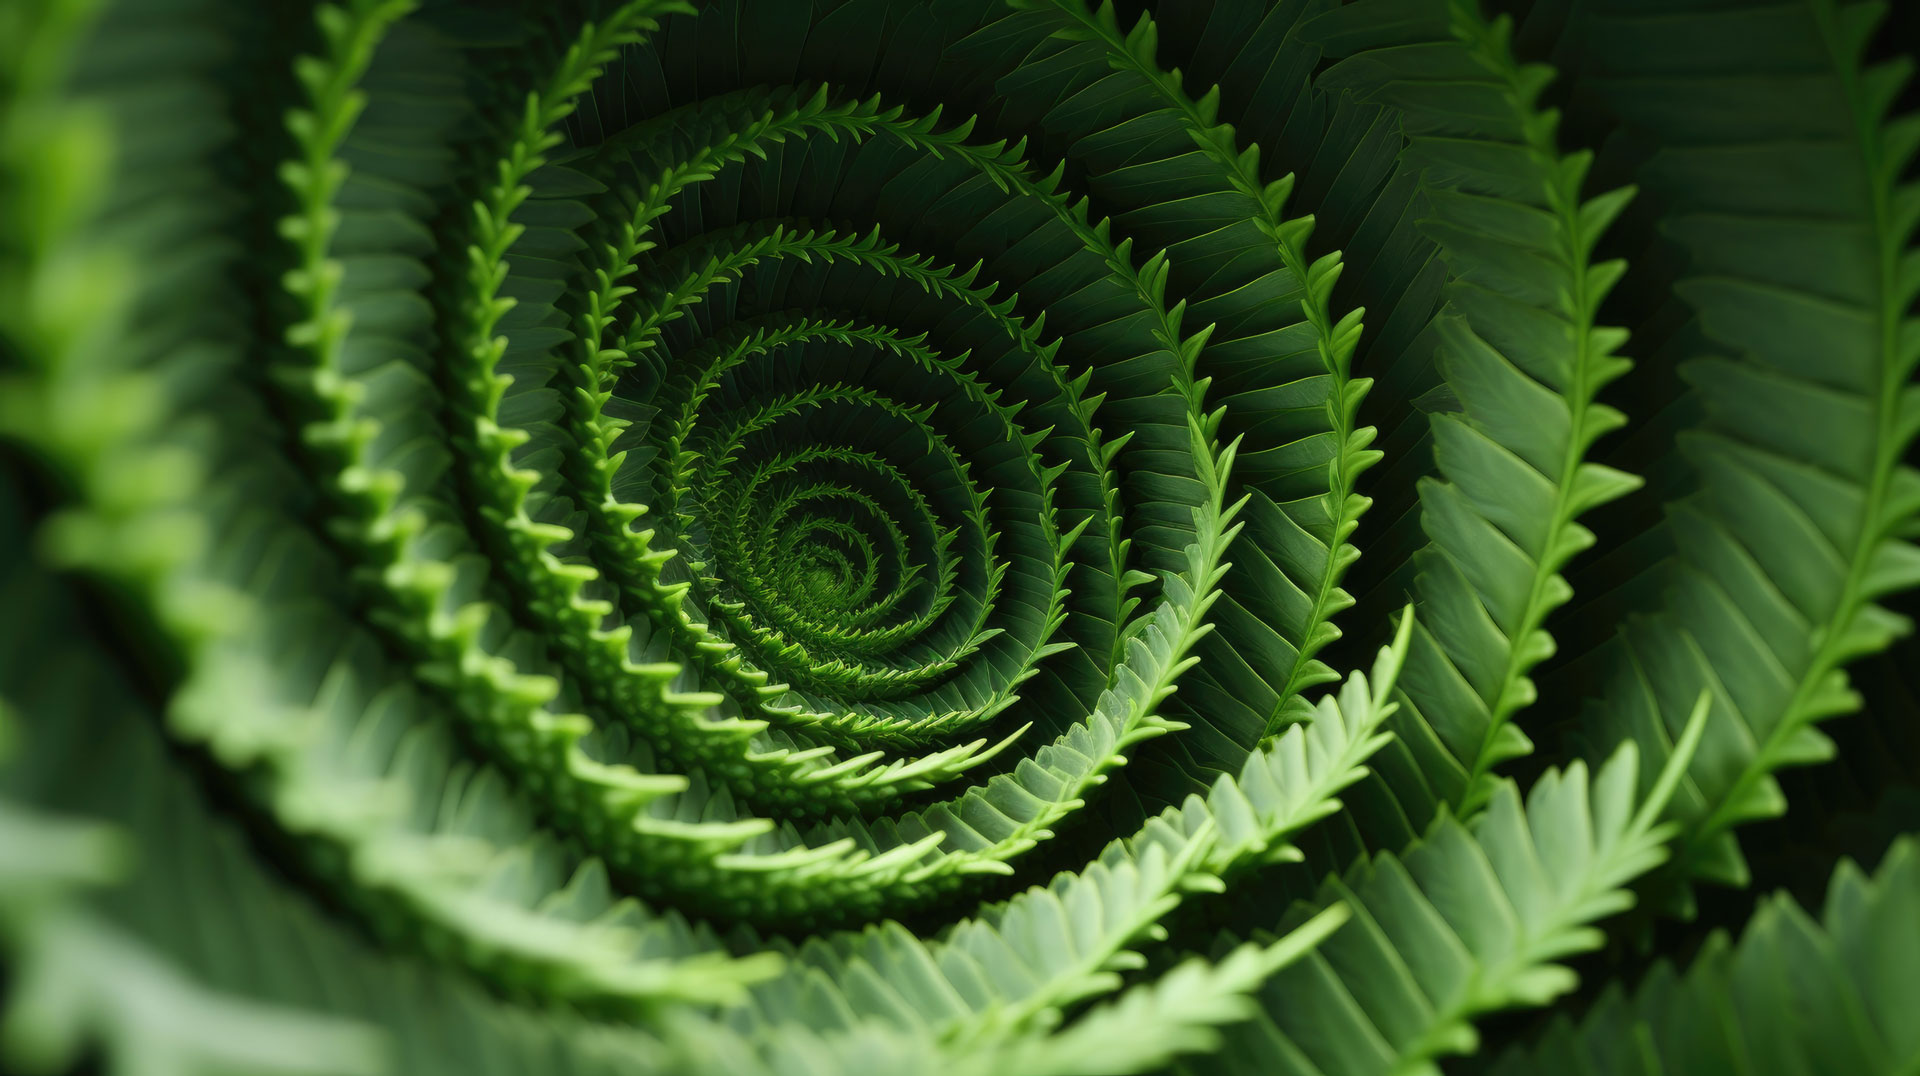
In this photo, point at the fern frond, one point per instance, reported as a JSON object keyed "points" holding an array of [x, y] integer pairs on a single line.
{"points": [[631, 536]]}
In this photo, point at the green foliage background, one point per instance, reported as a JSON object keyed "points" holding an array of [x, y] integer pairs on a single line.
{"points": [[818, 537]]}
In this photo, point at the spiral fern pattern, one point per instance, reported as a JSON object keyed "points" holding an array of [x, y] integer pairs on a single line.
{"points": [[827, 537]]}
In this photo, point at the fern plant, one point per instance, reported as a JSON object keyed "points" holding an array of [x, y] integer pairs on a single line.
{"points": [[827, 537]]}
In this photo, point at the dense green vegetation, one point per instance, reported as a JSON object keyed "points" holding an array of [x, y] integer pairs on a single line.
{"points": [[981, 536]]}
